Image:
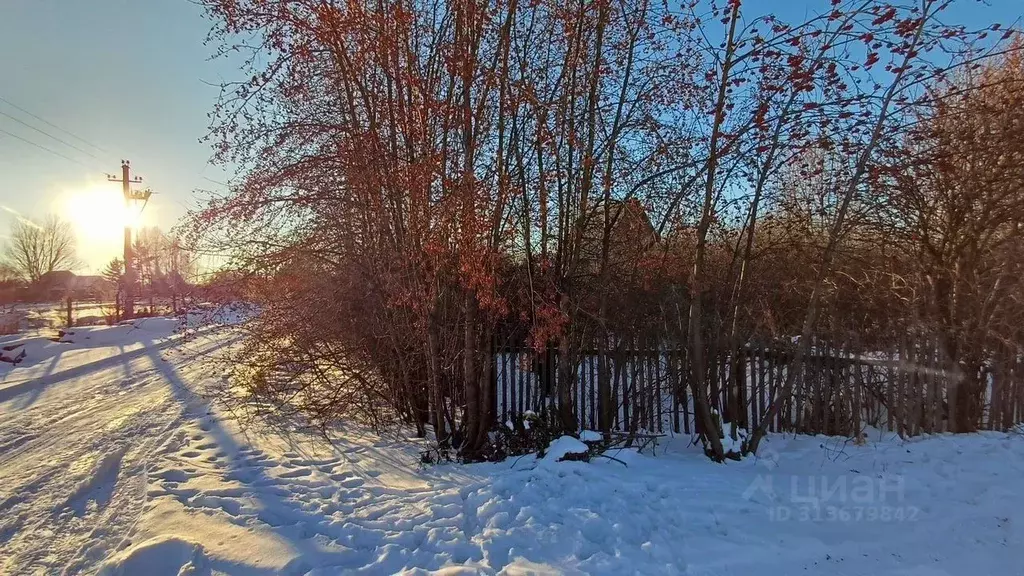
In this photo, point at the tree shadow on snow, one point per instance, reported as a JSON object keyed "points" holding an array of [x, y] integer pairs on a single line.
{"points": [[300, 528]]}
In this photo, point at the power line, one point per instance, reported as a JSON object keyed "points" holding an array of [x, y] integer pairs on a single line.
{"points": [[52, 125], [41, 147], [219, 183], [47, 134]]}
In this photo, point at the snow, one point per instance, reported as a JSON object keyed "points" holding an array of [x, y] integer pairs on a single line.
{"points": [[12, 353], [563, 446], [114, 463], [591, 436], [166, 555]]}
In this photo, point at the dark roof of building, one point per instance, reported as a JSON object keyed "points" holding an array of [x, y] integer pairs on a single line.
{"points": [[68, 280]]}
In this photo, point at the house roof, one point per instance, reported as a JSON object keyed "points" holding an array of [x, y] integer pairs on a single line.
{"points": [[68, 280], [57, 277]]}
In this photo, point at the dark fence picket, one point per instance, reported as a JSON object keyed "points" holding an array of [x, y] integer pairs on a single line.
{"points": [[523, 392], [1017, 404], [858, 390], [503, 413], [785, 419], [673, 376], [656, 356]]}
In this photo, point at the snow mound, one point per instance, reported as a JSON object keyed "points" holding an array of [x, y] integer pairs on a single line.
{"points": [[13, 354], [162, 556], [590, 436], [564, 446]]}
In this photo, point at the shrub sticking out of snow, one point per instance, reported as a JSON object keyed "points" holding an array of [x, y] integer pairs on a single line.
{"points": [[528, 418], [530, 433], [734, 446], [566, 448]]}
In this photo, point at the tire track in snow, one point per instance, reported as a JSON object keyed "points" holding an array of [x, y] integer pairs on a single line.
{"points": [[97, 485], [80, 477]]}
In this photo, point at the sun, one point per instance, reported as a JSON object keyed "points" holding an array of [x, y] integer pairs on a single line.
{"points": [[99, 211], [99, 216]]}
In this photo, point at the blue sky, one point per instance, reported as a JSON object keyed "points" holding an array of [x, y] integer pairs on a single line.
{"points": [[130, 76], [126, 75]]}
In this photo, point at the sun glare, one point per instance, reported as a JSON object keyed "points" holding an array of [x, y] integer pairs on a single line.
{"points": [[99, 216]]}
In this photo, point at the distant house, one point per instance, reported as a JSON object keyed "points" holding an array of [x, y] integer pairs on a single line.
{"points": [[631, 235], [60, 284]]}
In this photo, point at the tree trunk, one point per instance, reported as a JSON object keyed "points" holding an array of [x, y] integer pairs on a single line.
{"points": [[434, 375], [470, 379], [566, 381], [713, 441], [486, 382]]}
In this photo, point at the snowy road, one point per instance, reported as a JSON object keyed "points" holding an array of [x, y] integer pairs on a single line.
{"points": [[111, 464], [76, 446]]}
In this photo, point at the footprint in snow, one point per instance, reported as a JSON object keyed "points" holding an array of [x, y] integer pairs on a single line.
{"points": [[172, 475], [299, 472], [347, 480]]}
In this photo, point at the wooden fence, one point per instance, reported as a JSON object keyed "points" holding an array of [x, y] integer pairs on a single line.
{"points": [[907, 390]]}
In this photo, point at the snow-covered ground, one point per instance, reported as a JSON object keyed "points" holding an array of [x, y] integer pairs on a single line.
{"points": [[111, 463]]}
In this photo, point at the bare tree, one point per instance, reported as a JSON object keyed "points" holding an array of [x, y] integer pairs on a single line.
{"points": [[420, 182], [37, 248]]}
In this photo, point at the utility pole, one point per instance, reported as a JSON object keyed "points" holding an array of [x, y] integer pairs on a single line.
{"points": [[130, 196]]}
